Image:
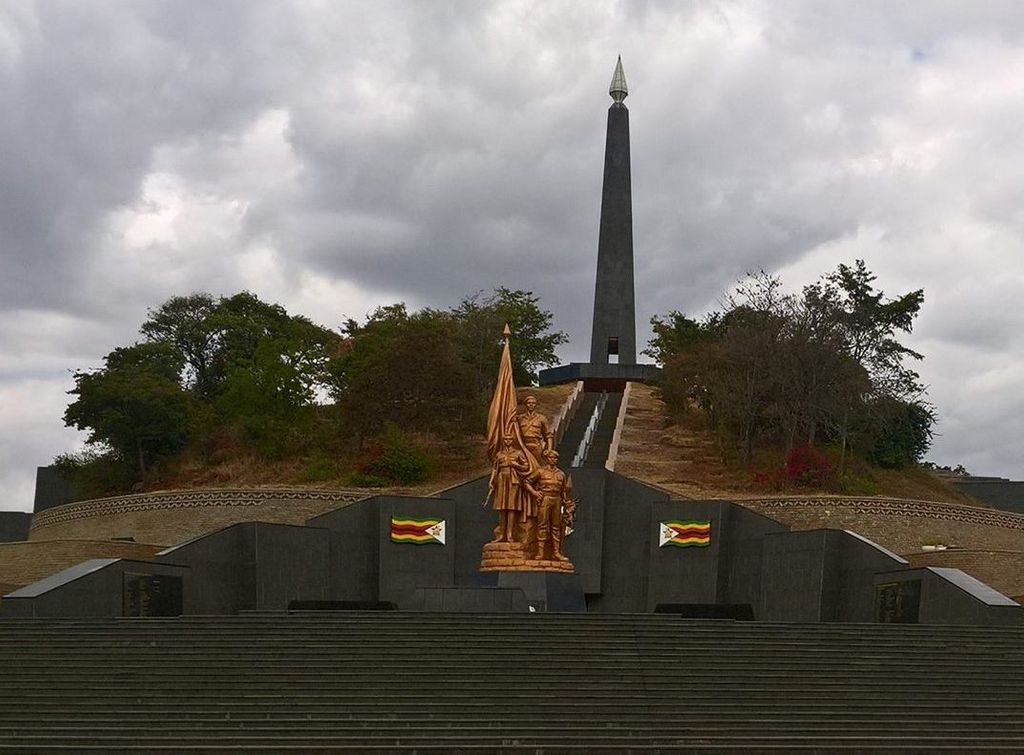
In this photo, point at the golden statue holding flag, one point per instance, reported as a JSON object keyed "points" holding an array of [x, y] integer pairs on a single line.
{"points": [[522, 486]]}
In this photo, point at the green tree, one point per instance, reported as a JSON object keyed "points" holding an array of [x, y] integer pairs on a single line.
{"points": [[393, 460], [189, 324], [134, 404], [675, 333], [215, 337], [814, 370], [900, 433], [820, 365], [95, 471], [746, 384], [406, 369], [480, 321], [276, 367], [869, 324]]}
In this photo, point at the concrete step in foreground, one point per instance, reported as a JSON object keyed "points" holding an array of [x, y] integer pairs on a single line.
{"points": [[373, 682]]}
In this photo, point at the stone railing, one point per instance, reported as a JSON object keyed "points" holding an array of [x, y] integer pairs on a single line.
{"points": [[620, 420], [560, 422]]}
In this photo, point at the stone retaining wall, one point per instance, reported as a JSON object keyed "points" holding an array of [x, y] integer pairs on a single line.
{"points": [[900, 525], [169, 517], [25, 562]]}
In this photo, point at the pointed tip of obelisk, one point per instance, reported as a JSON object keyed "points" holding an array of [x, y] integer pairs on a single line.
{"points": [[618, 89], [507, 331]]}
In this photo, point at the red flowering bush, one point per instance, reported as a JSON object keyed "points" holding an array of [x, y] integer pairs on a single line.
{"points": [[808, 467]]}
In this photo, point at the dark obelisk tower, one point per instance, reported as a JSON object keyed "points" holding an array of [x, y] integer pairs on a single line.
{"points": [[613, 339], [614, 331]]}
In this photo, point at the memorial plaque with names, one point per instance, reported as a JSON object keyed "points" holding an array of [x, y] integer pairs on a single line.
{"points": [[152, 595], [898, 602]]}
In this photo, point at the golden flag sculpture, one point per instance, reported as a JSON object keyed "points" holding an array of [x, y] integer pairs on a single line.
{"points": [[502, 417], [518, 544]]}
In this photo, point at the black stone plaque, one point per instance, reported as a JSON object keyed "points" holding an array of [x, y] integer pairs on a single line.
{"points": [[152, 595], [898, 602]]}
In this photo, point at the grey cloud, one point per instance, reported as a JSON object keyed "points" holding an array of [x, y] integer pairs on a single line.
{"points": [[434, 149]]}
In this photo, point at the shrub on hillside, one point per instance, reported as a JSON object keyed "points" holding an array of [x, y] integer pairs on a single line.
{"points": [[394, 459], [95, 472], [809, 467], [804, 467], [319, 467]]}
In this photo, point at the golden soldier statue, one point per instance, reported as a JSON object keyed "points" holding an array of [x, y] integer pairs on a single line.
{"points": [[553, 491], [534, 428], [529, 498]]}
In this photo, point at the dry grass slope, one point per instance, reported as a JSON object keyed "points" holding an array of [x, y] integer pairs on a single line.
{"points": [[688, 459], [455, 458]]}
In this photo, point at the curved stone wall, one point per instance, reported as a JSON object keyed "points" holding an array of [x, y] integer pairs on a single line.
{"points": [[169, 517], [26, 562], [900, 525]]}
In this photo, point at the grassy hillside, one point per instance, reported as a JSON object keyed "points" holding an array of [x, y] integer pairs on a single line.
{"points": [[683, 454], [452, 460]]}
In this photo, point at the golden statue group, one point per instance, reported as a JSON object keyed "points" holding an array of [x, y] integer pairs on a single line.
{"points": [[532, 496]]}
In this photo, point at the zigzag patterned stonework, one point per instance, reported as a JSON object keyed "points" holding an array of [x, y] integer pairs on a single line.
{"points": [[896, 506], [185, 499]]}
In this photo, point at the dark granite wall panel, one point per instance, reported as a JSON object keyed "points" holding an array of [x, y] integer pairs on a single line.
{"points": [[354, 561], [215, 583], [861, 560], [99, 593], [944, 602], [625, 545], [14, 526], [1007, 495], [469, 600], [475, 525], [584, 546], [742, 554], [683, 575], [347, 554], [792, 573], [405, 567], [291, 563], [51, 489]]}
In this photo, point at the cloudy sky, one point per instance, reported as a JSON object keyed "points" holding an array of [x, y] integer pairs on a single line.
{"points": [[335, 156]]}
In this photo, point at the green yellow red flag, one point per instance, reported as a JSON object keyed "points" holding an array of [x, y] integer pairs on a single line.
{"points": [[688, 534], [417, 531]]}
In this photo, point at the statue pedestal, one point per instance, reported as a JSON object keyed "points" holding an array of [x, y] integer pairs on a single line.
{"points": [[548, 591], [512, 557]]}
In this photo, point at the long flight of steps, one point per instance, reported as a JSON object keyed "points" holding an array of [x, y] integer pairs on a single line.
{"points": [[600, 444], [532, 683], [573, 435]]}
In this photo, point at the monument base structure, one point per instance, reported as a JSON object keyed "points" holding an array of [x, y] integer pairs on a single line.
{"points": [[547, 592], [600, 377], [634, 548], [511, 557]]}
